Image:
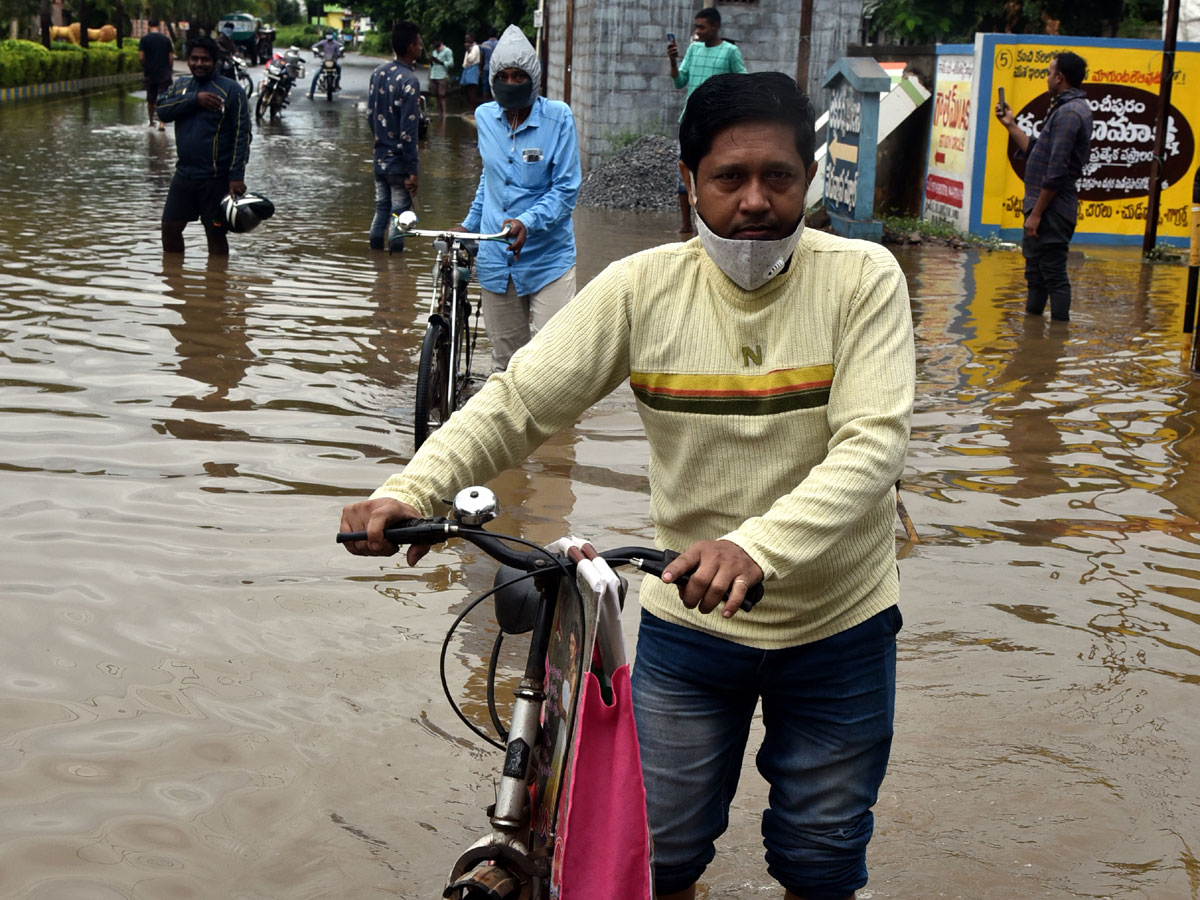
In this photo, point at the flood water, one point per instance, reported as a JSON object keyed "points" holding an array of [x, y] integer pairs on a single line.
{"points": [[201, 696]]}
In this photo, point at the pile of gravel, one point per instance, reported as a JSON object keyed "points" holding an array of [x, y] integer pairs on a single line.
{"points": [[639, 176]]}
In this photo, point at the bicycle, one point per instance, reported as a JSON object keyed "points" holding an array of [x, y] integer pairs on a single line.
{"points": [[444, 375], [532, 590]]}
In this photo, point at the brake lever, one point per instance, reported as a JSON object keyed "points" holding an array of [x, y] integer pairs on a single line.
{"points": [[656, 568]]}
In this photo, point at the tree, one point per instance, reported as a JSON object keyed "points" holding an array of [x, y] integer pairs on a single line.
{"points": [[930, 21], [455, 17], [23, 11]]}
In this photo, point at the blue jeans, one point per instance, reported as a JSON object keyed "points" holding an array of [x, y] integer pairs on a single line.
{"points": [[391, 197], [337, 74], [827, 713]]}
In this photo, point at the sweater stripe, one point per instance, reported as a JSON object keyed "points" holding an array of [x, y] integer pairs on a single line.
{"points": [[782, 390]]}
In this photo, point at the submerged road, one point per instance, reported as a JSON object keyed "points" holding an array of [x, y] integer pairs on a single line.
{"points": [[204, 697]]}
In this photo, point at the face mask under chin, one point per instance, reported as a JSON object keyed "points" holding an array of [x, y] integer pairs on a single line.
{"points": [[513, 96], [748, 264]]}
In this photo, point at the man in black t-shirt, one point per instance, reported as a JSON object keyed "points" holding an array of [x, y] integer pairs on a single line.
{"points": [[156, 54]]}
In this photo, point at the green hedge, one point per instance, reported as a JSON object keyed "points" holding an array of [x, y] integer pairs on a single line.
{"points": [[24, 62], [303, 36], [377, 43]]}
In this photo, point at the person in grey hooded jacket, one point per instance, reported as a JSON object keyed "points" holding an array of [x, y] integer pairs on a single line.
{"points": [[530, 181]]}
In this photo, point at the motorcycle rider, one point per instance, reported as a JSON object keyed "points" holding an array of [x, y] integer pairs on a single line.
{"points": [[330, 48], [226, 48], [264, 43]]}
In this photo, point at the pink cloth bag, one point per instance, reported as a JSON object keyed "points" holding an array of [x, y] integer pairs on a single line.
{"points": [[605, 841], [603, 850]]}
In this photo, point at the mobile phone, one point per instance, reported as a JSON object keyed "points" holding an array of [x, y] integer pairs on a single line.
{"points": [[1001, 104], [670, 38]]}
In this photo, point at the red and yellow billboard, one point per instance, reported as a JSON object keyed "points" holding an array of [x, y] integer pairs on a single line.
{"points": [[947, 179]]}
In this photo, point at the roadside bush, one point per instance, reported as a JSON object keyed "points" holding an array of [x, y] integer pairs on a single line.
{"points": [[102, 59], [24, 62], [377, 43], [302, 36]]}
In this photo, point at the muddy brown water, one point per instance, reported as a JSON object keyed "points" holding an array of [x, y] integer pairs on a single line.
{"points": [[202, 697]]}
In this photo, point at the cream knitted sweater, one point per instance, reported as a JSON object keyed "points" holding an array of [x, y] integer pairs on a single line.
{"points": [[777, 419]]}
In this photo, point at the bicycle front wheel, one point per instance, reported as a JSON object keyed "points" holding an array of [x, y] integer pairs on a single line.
{"points": [[434, 405], [462, 356]]}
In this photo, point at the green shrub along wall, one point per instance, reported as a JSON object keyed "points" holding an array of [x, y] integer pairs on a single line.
{"points": [[24, 62], [379, 43], [302, 36]]}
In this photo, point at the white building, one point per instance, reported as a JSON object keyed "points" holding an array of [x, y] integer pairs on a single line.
{"points": [[609, 59]]}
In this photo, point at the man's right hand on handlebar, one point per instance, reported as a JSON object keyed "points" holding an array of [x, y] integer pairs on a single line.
{"points": [[373, 516], [517, 236], [722, 573]]}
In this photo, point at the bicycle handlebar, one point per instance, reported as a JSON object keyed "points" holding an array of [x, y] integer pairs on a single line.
{"points": [[500, 235], [437, 530]]}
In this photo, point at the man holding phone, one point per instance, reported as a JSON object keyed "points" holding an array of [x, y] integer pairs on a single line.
{"points": [[1054, 162], [708, 55]]}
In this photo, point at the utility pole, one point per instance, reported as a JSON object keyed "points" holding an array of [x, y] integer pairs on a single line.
{"points": [[1160, 127], [804, 51]]}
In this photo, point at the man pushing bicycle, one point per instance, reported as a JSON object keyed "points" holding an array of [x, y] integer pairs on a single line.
{"points": [[774, 373]]}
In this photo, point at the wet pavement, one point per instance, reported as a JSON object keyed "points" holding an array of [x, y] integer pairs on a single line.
{"points": [[203, 697]]}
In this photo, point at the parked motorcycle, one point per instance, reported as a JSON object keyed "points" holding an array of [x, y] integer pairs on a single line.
{"points": [[241, 74], [234, 65], [281, 73]]}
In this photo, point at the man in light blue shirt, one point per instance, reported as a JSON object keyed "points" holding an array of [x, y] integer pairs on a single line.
{"points": [[530, 182]]}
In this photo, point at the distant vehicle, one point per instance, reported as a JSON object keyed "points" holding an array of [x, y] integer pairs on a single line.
{"points": [[245, 30], [280, 74]]}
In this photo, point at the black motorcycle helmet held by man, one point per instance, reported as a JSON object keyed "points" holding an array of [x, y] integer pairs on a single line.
{"points": [[244, 212]]}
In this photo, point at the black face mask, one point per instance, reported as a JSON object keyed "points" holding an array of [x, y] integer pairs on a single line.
{"points": [[513, 96]]}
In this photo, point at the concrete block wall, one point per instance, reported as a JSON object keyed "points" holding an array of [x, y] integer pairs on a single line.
{"points": [[620, 82]]}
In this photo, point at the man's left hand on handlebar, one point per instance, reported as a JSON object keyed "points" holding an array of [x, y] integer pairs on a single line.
{"points": [[720, 566], [373, 516]]}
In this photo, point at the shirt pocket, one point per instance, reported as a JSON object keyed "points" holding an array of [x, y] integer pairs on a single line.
{"points": [[532, 169]]}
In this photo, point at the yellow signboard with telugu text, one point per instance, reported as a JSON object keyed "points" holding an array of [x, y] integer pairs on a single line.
{"points": [[1122, 91]]}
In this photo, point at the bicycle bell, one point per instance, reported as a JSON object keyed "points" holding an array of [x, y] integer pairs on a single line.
{"points": [[406, 220], [475, 506]]}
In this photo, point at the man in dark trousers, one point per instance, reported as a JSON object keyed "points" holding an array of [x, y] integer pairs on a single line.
{"points": [[485, 51], [394, 116], [1054, 162], [156, 53], [212, 137]]}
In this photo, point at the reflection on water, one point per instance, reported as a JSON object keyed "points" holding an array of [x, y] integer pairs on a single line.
{"points": [[205, 698]]}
